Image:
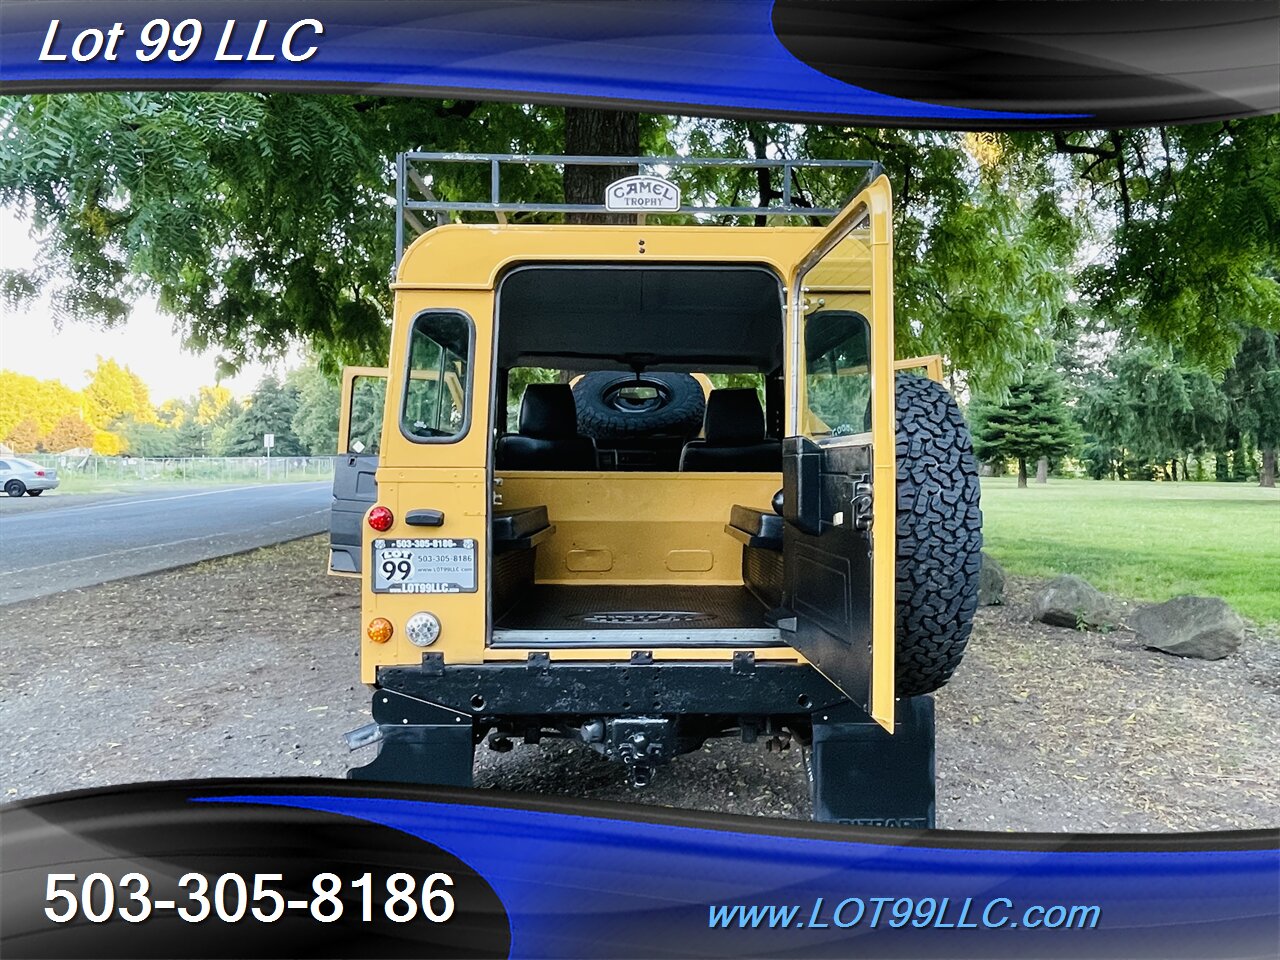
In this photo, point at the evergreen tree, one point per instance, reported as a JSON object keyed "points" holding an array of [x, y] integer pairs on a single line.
{"points": [[270, 410], [1033, 422], [1252, 388], [315, 423]]}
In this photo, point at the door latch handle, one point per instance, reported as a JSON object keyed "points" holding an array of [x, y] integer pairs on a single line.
{"points": [[862, 503], [425, 518]]}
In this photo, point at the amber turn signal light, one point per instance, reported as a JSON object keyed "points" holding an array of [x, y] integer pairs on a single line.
{"points": [[380, 518], [379, 630]]}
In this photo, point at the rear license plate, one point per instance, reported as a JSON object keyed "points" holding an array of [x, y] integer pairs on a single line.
{"points": [[426, 565]]}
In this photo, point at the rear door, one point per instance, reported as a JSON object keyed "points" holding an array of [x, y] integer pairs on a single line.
{"points": [[355, 489], [838, 458]]}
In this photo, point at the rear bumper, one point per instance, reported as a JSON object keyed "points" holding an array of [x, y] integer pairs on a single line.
{"points": [[41, 483], [543, 687]]}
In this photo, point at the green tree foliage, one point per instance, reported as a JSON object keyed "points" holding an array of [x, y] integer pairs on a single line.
{"points": [[263, 219], [257, 219], [1191, 220], [1032, 422], [982, 245], [1252, 391], [315, 423], [1145, 413], [271, 409], [147, 438]]}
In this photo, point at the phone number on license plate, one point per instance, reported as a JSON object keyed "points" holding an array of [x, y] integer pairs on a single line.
{"points": [[428, 565]]}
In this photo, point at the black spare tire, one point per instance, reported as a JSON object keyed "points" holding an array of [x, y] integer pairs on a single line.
{"points": [[673, 405], [939, 534]]}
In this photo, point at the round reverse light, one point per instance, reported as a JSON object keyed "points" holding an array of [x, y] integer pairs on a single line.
{"points": [[422, 629], [380, 518], [379, 630]]}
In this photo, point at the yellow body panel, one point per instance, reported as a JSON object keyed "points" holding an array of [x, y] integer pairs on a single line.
{"points": [[640, 528], [681, 537], [932, 366], [473, 257]]}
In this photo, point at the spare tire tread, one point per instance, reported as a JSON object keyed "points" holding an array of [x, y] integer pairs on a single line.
{"points": [[939, 536], [682, 416]]}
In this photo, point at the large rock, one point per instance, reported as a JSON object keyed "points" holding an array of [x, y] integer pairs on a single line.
{"points": [[1202, 627], [990, 582], [1071, 602]]}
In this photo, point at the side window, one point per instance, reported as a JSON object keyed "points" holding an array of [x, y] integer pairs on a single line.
{"points": [[838, 379], [4, 465], [438, 390], [368, 395]]}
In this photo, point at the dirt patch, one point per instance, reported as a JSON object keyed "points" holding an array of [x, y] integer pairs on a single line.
{"points": [[248, 667]]}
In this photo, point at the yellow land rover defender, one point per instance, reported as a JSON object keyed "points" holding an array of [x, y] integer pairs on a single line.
{"points": [[642, 485]]}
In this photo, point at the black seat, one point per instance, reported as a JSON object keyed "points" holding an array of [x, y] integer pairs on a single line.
{"points": [[548, 438], [734, 436]]}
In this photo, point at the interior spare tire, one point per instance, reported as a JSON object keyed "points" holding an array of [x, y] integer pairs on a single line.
{"points": [[939, 536], [610, 407]]}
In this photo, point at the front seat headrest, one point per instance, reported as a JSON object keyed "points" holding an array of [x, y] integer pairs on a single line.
{"points": [[548, 411], [734, 417]]}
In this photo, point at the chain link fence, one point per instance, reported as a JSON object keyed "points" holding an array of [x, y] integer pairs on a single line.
{"points": [[182, 469]]}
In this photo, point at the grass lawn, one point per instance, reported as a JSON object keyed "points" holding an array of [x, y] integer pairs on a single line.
{"points": [[1146, 541], [71, 482]]}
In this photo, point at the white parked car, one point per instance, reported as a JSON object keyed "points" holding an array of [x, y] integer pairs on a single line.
{"points": [[18, 476]]}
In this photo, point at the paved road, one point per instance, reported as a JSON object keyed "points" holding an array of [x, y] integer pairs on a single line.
{"points": [[59, 543]]}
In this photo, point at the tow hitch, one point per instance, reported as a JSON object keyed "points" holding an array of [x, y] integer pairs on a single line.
{"points": [[642, 743]]}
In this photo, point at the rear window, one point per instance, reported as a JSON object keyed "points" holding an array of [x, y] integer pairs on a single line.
{"points": [[437, 396], [838, 379], [364, 430]]}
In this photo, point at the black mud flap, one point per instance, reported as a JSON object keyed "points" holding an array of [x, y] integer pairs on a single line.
{"points": [[859, 774], [418, 742]]}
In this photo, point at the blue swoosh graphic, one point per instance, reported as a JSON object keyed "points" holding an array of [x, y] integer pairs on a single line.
{"points": [[714, 54], [573, 884]]}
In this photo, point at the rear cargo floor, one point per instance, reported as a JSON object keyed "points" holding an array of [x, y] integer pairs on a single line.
{"points": [[557, 615]]}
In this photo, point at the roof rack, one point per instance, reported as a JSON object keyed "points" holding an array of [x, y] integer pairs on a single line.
{"points": [[414, 172]]}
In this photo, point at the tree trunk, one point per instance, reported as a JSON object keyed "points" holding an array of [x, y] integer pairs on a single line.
{"points": [[1267, 475], [606, 133], [1220, 471], [1042, 470], [1173, 469], [1022, 471]]}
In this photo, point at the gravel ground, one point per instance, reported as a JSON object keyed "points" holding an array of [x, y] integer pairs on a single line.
{"points": [[247, 666]]}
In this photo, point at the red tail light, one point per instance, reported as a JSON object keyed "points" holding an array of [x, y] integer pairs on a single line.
{"points": [[380, 518], [39, 473]]}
